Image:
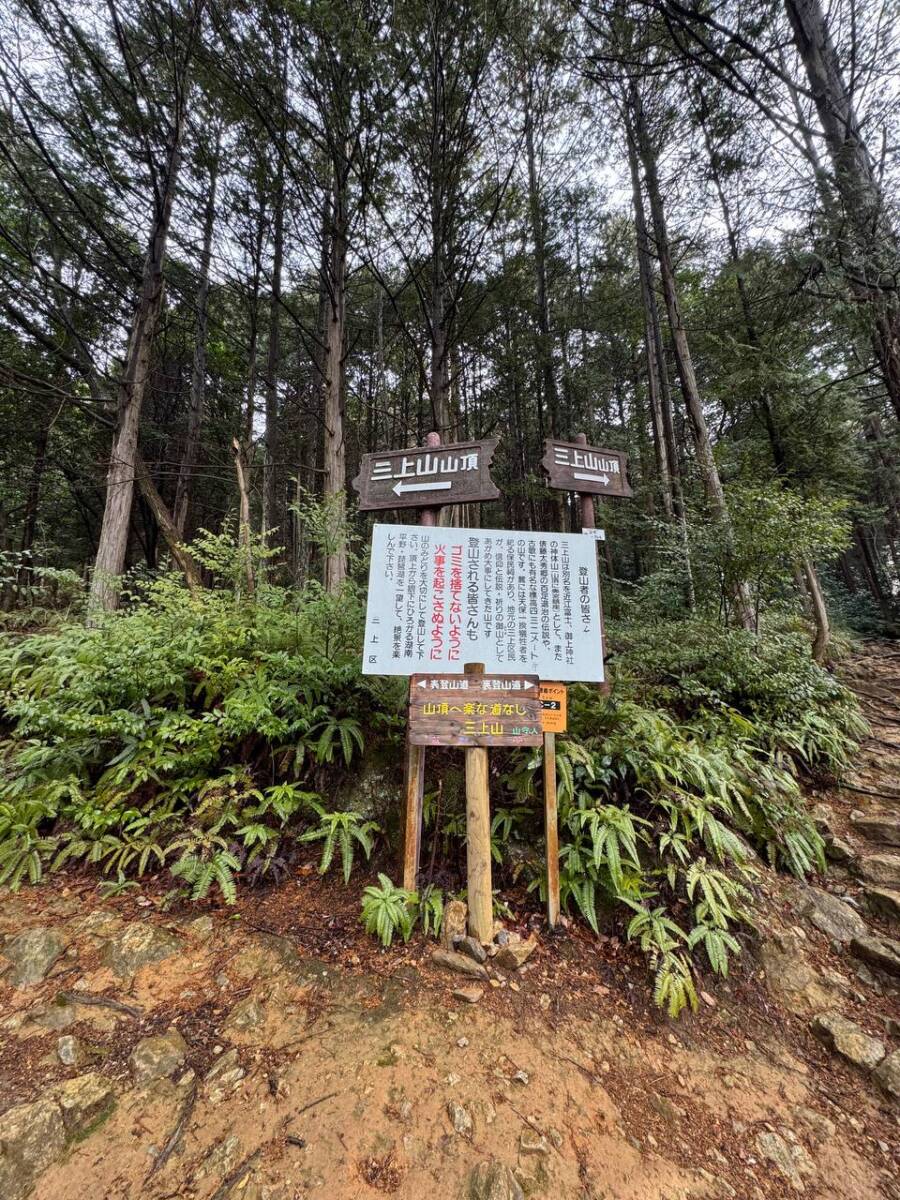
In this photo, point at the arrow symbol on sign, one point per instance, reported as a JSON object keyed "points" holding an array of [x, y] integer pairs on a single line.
{"points": [[604, 479], [399, 488]]}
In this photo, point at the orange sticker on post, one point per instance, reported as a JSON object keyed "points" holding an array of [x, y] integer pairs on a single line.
{"points": [[553, 707]]}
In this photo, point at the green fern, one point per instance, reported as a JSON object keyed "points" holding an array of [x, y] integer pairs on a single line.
{"points": [[340, 830], [388, 910]]}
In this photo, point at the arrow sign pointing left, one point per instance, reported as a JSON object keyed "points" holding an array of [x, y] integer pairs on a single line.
{"points": [[604, 479], [399, 488]]}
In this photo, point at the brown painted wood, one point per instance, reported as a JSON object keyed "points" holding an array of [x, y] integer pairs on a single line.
{"points": [[478, 837], [551, 829], [427, 476], [577, 467], [474, 710]]}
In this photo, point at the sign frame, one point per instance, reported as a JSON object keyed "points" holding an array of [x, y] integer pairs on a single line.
{"points": [[427, 476]]}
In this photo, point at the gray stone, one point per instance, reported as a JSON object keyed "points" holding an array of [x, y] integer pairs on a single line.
{"points": [[459, 1117], [158, 1057], [453, 925], [494, 1181], [32, 1138], [223, 1077], [85, 1101], [472, 948], [139, 945], [884, 902], [667, 1110], [471, 995], [221, 1159], [791, 978], [32, 953], [877, 826], [823, 818], [516, 954], [452, 961], [887, 1074], [820, 1128], [717, 1188], [533, 1143], [881, 869], [833, 917], [791, 1160], [201, 928], [838, 849], [880, 952], [71, 1051], [247, 1014], [846, 1038]]}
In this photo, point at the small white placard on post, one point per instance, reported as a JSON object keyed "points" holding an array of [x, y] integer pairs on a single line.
{"points": [[515, 601], [599, 535]]}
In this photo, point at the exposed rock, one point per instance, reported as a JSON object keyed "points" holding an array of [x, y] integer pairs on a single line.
{"points": [[452, 961], [55, 1016], [884, 902], [221, 1159], [472, 948], [881, 869], [533, 1143], [833, 917], [71, 1051], [32, 953], [790, 977], [823, 818], [223, 1077], [493, 1181], [838, 849], [453, 925], [880, 952], [32, 1138], [887, 1074], [85, 1101], [877, 826], [717, 1188], [459, 1117], [846, 1038], [791, 1160], [820, 1128], [138, 945], [201, 928], [158, 1057], [667, 1110], [513, 956], [471, 995], [246, 1015]]}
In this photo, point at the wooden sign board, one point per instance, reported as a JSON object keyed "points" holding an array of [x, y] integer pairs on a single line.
{"points": [[425, 477], [554, 711], [587, 469], [474, 710]]}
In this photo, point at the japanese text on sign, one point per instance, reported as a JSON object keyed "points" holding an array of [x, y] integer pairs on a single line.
{"points": [[439, 598], [474, 710]]}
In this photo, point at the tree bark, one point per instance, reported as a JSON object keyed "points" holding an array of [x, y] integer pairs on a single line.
{"points": [[335, 450], [273, 359], [536, 214], [198, 372]]}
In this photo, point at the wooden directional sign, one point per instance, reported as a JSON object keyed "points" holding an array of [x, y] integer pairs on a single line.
{"points": [[575, 468], [426, 477], [474, 710], [553, 707]]}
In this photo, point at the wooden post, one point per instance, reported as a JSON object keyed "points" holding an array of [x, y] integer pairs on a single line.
{"points": [[589, 521], [478, 836], [551, 833], [415, 759]]}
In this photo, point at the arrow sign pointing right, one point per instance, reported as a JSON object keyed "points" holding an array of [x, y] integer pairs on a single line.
{"points": [[604, 479], [440, 486]]}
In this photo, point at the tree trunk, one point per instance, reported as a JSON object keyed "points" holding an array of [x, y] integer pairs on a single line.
{"points": [[166, 525], [335, 451], [198, 373], [273, 359], [544, 342], [243, 512], [683, 361], [113, 545], [873, 253], [819, 611]]}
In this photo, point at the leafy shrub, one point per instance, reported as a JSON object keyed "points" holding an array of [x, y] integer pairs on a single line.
{"points": [[191, 732], [388, 910]]}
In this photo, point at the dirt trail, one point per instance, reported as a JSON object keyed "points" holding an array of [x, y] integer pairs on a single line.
{"points": [[307, 1062]]}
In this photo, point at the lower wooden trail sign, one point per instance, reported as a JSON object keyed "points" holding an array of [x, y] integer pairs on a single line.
{"points": [[474, 710]]}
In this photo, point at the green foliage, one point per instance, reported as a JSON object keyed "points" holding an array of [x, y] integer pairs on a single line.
{"points": [[192, 733], [388, 910], [667, 785], [340, 829]]}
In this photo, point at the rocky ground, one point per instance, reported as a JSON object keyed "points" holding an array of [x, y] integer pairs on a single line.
{"points": [[273, 1051]]}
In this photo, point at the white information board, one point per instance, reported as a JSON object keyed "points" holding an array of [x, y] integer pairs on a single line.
{"points": [[517, 602]]}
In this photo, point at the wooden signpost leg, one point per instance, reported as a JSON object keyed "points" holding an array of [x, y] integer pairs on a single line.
{"points": [[478, 837], [551, 832], [412, 833]]}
